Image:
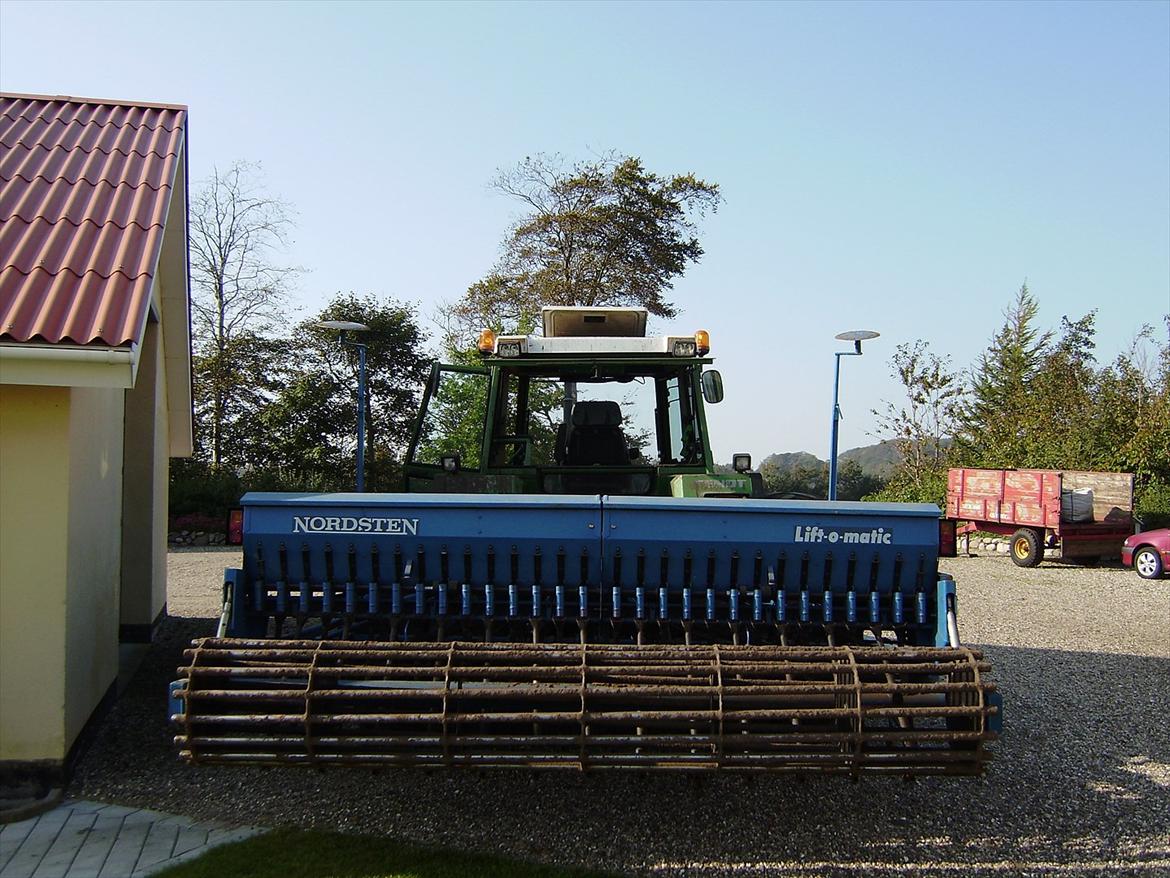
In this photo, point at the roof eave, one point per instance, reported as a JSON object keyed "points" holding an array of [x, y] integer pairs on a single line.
{"points": [[67, 365]]}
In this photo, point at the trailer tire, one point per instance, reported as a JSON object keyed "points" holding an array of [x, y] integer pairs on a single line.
{"points": [[1026, 547], [1148, 563]]}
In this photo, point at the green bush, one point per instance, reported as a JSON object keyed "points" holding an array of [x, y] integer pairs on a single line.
{"points": [[203, 493], [199, 488], [901, 489], [1152, 509]]}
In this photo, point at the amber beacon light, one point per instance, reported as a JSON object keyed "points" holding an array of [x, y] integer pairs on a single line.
{"points": [[702, 342]]}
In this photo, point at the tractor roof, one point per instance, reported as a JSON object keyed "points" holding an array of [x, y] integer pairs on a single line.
{"points": [[588, 333]]}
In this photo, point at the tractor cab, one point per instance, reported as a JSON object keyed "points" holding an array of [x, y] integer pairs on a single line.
{"points": [[592, 406]]}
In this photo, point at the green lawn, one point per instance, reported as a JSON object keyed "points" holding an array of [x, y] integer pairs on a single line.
{"points": [[288, 853]]}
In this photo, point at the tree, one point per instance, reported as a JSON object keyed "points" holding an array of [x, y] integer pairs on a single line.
{"points": [[1042, 401], [594, 233], [239, 295], [811, 479], [312, 421], [991, 418], [921, 426], [853, 482], [1062, 428], [231, 385], [1135, 392]]}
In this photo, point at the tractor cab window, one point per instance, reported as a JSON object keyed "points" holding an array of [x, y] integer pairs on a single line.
{"points": [[546, 419], [611, 423], [678, 432], [453, 421], [587, 420]]}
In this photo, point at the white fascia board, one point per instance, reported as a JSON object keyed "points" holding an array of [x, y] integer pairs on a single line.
{"points": [[68, 366], [172, 292]]}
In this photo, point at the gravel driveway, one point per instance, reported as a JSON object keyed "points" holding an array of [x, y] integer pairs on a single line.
{"points": [[1080, 786]]}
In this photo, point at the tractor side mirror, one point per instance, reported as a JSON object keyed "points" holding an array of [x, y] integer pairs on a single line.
{"points": [[712, 383]]}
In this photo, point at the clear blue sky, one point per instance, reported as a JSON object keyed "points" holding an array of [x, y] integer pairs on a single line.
{"points": [[899, 167]]}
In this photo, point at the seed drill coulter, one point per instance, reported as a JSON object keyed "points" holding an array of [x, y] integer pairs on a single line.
{"points": [[569, 581]]}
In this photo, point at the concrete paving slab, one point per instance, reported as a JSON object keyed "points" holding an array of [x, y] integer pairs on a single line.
{"points": [[190, 838], [85, 839], [123, 856], [96, 847], [159, 845], [84, 807], [11, 837], [36, 844], [61, 855]]}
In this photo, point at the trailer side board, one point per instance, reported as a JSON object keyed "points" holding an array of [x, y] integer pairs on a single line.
{"points": [[1112, 494], [1028, 498]]}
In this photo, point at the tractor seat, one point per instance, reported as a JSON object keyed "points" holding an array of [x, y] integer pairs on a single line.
{"points": [[596, 437]]}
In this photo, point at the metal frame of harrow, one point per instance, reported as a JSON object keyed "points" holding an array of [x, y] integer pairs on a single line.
{"points": [[842, 709]]}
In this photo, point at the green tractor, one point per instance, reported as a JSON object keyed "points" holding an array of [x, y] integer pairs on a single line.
{"points": [[594, 406]]}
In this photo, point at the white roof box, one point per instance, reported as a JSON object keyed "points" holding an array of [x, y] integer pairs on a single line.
{"points": [[604, 322]]}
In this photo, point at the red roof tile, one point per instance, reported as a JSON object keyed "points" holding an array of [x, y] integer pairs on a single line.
{"points": [[85, 187], [78, 201]]}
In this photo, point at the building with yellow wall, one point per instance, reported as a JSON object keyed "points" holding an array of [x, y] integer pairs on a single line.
{"points": [[95, 397]]}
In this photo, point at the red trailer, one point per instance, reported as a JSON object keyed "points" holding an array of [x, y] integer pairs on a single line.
{"points": [[1087, 515]]}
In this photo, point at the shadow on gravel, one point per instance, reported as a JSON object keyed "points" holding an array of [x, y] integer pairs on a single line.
{"points": [[1080, 786]]}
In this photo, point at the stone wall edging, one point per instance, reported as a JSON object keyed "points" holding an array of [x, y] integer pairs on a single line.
{"points": [[195, 538]]}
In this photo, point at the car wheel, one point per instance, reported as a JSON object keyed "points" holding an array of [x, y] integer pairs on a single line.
{"points": [[1026, 549], [1148, 563]]}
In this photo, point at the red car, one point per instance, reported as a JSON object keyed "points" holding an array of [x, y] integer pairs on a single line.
{"points": [[1148, 553]]}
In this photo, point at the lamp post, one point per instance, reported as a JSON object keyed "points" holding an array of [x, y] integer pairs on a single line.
{"points": [[344, 326], [857, 336]]}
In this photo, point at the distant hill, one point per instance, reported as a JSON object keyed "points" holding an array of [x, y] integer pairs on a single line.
{"points": [[792, 460], [875, 460]]}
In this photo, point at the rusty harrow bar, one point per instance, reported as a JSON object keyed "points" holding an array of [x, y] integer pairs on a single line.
{"points": [[832, 709]]}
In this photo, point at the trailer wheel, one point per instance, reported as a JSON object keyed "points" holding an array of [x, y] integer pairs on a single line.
{"points": [[1026, 548], [1148, 563]]}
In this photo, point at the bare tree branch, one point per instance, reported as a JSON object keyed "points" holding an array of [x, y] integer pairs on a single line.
{"points": [[238, 288]]}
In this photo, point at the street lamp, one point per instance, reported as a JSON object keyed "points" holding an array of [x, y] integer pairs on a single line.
{"points": [[344, 326], [857, 336]]}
